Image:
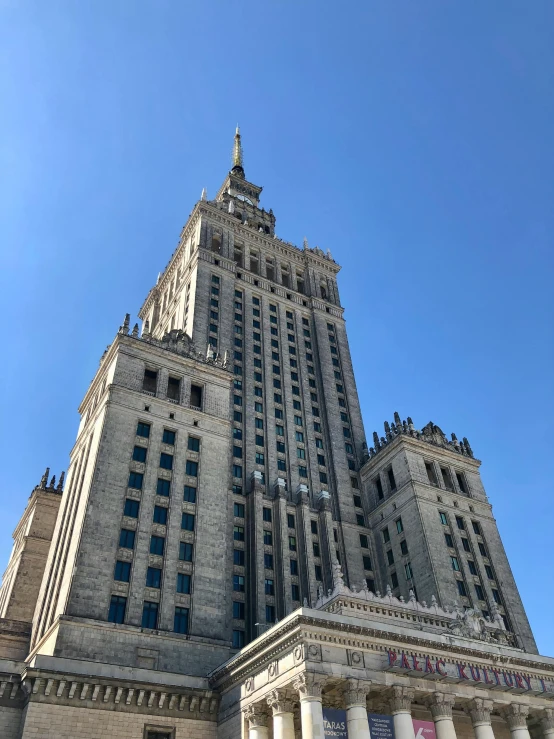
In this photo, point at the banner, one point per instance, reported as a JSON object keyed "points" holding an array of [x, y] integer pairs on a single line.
{"points": [[334, 723], [424, 729], [381, 727]]}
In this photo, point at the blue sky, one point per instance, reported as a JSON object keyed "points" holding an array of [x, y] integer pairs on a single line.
{"points": [[413, 139]]}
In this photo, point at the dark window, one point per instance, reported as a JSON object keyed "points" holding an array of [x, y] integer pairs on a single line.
{"points": [[295, 591], [238, 557], [269, 587], [135, 480], [259, 440], [196, 396], [116, 614], [153, 577], [367, 563], [185, 551], [370, 584], [183, 583], [378, 484], [268, 561], [394, 579], [313, 525], [187, 522], [479, 592], [461, 588], [149, 615], [460, 523], [160, 515], [180, 626], [127, 539], [443, 518], [191, 468], [449, 541], [163, 487], [237, 489], [174, 387], [315, 547], [431, 475], [399, 525], [446, 478], [238, 510], [150, 381], [476, 527], [357, 501], [238, 639], [465, 544], [259, 458], [408, 571], [157, 545], [122, 571], [455, 564], [238, 609], [482, 549], [496, 596], [166, 461], [403, 547], [189, 494], [131, 508], [472, 567], [294, 567], [390, 557], [237, 416], [168, 437], [461, 482], [292, 543], [323, 477], [237, 470], [302, 472], [268, 538], [143, 429], [238, 533], [193, 444], [386, 535], [139, 454], [237, 452], [364, 541], [258, 407], [490, 573]]}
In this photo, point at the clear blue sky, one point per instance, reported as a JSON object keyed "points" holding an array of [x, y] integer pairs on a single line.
{"points": [[413, 139]]}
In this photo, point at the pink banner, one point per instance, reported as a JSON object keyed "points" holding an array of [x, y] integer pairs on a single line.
{"points": [[424, 729]]}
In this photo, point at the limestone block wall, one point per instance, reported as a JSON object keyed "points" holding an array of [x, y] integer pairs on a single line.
{"points": [[10, 722]]}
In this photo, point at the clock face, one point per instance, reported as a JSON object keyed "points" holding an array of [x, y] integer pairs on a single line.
{"points": [[244, 199]]}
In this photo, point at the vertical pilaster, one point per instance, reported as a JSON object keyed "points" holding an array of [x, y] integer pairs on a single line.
{"points": [[306, 563], [326, 538], [281, 548]]}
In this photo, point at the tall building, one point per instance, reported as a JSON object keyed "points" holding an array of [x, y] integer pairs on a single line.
{"points": [[220, 484]]}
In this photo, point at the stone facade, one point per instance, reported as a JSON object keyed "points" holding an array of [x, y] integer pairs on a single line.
{"points": [[229, 559]]}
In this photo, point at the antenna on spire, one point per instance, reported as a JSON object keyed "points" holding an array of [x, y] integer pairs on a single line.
{"points": [[237, 154]]}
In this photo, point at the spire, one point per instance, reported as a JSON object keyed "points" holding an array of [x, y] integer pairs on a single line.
{"points": [[237, 155]]}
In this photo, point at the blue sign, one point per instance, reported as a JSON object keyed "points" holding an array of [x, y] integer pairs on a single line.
{"points": [[334, 723], [380, 727]]}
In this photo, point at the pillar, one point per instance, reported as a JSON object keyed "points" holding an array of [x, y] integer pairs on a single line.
{"points": [[441, 709], [355, 696], [257, 720], [480, 712], [400, 699], [516, 718], [547, 723], [280, 703], [308, 685]]}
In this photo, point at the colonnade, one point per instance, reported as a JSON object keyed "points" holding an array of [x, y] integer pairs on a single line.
{"points": [[307, 689]]}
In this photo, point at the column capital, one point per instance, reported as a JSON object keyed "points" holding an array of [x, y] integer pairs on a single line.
{"points": [[480, 711], [516, 715], [440, 705], [547, 719], [280, 701], [308, 685], [400, 699], [255, 715], [355, 693]]}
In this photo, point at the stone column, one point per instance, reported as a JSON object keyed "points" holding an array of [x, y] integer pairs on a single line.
{"points": [[308, 685], [547, 723], [400, 699], [257, 722], [283, 718], [441, 709], [355, 696], [480, 712], [516, 718]]}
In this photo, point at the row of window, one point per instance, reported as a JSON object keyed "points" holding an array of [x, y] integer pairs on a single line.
{"points": [[446, 478], [173, 391], [150, 614]]}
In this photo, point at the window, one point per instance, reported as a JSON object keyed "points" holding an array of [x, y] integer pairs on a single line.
{"points": [[268, 538], [479, 592], [135, 480], [238, 609], [127, 539], [482, 549], [270, 614], [460, 523], [461, 482], [238, 583], [160, 515], [295, 591], [257, 362], [301, 453], [496, 596], [258, 408], [465, 544], [446, 478], [150, 381], [238, 557], [214, 302], [196, 396], [237, 489], [367, 563], [390, 556], [321, 460], [237, 416], [131, 508], [490, 573], [379, 486], [476, 527], [166, 461], [313, 525], [153, 577], [392, 481], [292, 543], [260, 459], [386, 534], [399, 525], [149, 615], [237, 451], [449, 541], [291, 521], [238, 510], [443, 518], [258, 392], [139, 454], [191, 468], [268, 561], [461, 588], [180, 625], [183, 583], [404, 547], [303, 471], [143, 429], [294, 567], [408, 571], [168, 437], [238, 639], [297, 422], [431, 476], [455, 564], [269, 586], [193, 444], [277, 384], [364, 541], [317, 427], [281, 465], [157, 545], [118, 605], [472, 567], [257, 376], [122, 571], [281, 447], [238, 357], [315, 548], [394, 579], [279, 430], [370, 584], [237, 400], [346, 433], [185, 551]]}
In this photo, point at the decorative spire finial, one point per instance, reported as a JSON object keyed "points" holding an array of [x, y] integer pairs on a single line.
{"points": [[44, 479], [237, 153], [60, 484]]}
